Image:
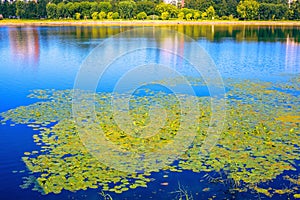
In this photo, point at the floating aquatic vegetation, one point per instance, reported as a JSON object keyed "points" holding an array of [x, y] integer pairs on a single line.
{"points": [[259, 141]]}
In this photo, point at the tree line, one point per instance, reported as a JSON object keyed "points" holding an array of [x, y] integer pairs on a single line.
{"points": [[146, 9]]}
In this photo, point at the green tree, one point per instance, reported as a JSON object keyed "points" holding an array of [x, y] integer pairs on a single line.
{"points": [[141, 16], [73, 8], [94, 7], [171, 9], [294, 11], [8, 9], [51, 10], [109, 15], [85, 8], [204, 15], [31, 10], [61, 10], [266, 11], [77, 16], [12, 9], [189, 16], [115, 15], [248, 9], [21, 9], [165, 15], [95, 15], [181, 15], [146, 6], [200, 5], [102, 15], [186, 11], [282, 11], [2, 8], [69, 9], [127, 9], [56, 1], [232, 4], [41, 8], [196, 15], [273, 11], [221, 7], [211, 13], [105, 7]]}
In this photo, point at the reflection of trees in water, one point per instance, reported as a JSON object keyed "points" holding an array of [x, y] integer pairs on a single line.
{"points": [[25, 45], [240, 33], [211, 32], [99, 32]]}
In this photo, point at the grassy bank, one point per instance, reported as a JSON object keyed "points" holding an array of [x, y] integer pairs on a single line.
{"points": [[68, 22]]}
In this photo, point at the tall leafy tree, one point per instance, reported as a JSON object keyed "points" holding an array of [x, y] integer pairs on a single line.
{"points": [[186, 11], [127, 9], [20, 9], [211, 13], [61, 10], [281, 11], [4, 9], [31, 10], [41, 8], [268, 11], [248, 9], [56, 1], [221, 7], [146, 6], [294, 12], [200, 5], [245, 9], [94, 7], [12, 9], [70, 9], [225, 7], [84, 9], [51, 10], [232, 4], [73, 8], [105, 7], [171, 9]]}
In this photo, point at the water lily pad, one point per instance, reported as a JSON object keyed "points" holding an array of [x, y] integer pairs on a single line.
{"points": [[260, 139]]}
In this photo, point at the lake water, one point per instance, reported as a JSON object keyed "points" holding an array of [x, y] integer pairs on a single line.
{"points": [[50, 58]]}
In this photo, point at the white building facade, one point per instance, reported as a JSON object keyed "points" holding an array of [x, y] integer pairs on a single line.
{"points": [[175, 2], [11, 1]]}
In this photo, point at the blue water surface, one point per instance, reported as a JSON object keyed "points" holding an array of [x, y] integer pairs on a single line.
{"points": [[50, 57]]}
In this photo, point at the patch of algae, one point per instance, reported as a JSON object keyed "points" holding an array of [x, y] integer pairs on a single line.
{"points": [[260, 139]]}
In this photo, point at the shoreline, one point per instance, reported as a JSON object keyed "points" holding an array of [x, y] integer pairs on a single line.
{"points": [[14, 22]]}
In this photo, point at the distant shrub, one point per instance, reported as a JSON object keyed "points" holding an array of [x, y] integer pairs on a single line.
{"points": [[224, 18], [115, 15], [204, 15], [141, 15], [216, 17], [189, 16], [109, 15], [77, 16], [165, 15], [181, 15], [102, 15], [230, 17], [95, 15], [196, 15]]}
